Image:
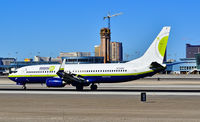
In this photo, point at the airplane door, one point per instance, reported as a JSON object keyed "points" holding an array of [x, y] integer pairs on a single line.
{"points": [[25, 72]]}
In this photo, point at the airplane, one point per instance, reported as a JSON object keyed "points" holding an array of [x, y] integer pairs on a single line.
{"points": [[81, 75]]}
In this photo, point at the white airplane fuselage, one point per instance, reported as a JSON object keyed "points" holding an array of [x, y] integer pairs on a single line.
{"points": [[80, 75], [94, 73]]}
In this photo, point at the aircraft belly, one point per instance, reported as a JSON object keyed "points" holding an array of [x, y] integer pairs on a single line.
{"points": [[112, 79], [29, 79]]}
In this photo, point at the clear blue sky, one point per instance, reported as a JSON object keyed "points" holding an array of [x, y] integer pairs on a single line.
{"points": [[52, 26]]}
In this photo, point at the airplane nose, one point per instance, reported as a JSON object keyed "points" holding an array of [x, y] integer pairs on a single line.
{"points": [[10, 76]]}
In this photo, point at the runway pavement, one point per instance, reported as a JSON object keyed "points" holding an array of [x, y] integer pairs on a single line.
{"points": [[152, 87], [167, 101]]}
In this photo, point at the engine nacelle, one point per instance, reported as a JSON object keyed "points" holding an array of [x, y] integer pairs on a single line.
{"points": [[54, 82]]}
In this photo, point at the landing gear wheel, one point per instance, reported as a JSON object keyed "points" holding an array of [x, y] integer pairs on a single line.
{"points": [[79, 88], [93, 87], [24, 87]]}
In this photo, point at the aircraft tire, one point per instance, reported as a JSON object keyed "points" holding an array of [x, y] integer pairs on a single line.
{"points": [[79, 88], [24, 87], [93, 87]]}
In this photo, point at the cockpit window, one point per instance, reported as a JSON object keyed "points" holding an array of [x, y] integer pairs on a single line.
{"points": [[14, 71]]}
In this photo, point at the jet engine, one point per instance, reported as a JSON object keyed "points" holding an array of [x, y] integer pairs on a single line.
{"points": [[55, 82]]}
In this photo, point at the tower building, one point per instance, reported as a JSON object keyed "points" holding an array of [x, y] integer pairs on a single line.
{"points": [[191, 50], [117, 52], [105, 44]]}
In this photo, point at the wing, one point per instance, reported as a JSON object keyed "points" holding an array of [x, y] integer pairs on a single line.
{"points": [[70, 78]]}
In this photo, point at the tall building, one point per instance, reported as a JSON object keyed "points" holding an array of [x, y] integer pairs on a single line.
{"points": [[97, 50], [191, 50], [105, 44], [117, 51]]}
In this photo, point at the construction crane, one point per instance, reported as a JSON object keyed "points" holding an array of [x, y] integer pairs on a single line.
{"points": [[109, 16]]}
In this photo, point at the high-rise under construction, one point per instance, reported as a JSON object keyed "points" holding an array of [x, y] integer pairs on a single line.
{"points": [[105, 44]]}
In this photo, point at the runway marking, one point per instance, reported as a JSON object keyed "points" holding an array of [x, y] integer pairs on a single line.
{"points": [[151, 86], [117, 86], [100, 93]]}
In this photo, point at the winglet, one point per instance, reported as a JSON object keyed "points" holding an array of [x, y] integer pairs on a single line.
{"points": [[62, 65], [61, 69]]}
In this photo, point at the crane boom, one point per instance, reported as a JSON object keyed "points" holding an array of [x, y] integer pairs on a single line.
{"points": [[109, 16]]}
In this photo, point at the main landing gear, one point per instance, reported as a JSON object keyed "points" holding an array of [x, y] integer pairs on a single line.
{"points": [[93, 87], [79, 87]]}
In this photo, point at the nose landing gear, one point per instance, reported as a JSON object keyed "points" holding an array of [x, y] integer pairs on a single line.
{"points": [[24, 86]]}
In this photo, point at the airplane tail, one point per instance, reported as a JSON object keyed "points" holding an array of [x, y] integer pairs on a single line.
{"points": [[156, 51]]}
